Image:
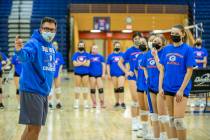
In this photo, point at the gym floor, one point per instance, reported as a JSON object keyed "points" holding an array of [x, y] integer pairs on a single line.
{"points": [[92, 124]]}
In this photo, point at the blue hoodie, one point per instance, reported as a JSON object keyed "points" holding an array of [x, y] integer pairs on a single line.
{"points": [[38, 65]]}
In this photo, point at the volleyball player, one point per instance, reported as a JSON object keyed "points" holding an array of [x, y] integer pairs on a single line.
{"points": [[57, 78], [18, 68], [3, 62], [81, 62], [130, 56], [97, 72], [141, 90], [177, 63], [200, 53], [150, 63], [150, 40], [116, 74]]}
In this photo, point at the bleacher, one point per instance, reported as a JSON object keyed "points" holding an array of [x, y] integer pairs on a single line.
{"points": [[57, 9], [5, 8]]}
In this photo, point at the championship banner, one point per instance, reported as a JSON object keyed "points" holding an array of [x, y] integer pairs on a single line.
{"points": [[101, 23]]}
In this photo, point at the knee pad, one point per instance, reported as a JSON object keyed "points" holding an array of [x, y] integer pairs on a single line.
{"points": [[144, 113], [17, 91], [116, 90], [77, 90], [163, 118], [0, 90], [121, 90], [154, 117], [179, 124], [92, 91], [85, 90], [58, 90], [171, 121], [100, 90], [134, 104]]}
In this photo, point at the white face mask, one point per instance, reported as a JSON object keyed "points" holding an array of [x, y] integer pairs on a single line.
{"points": [[150, 45], [48, 36]]}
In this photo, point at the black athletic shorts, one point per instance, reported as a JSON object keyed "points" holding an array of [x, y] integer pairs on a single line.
{"points": [[33, 109], [152, 91], [141, 91], [81, 75], [172, 94], [16, 74], [99, 76]]}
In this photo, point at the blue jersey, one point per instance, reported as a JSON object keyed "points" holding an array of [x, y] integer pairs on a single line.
{"points": [[153, 73], [17, 64], [96, 67], [58, 63], [176, 60], [81, 57], [141, 80], [131, 55], [38, 65], [4, 58], [112, 61], [200, 53]]}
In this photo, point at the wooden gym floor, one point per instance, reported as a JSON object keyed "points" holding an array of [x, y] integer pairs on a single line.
{"points": [[92, 124]]}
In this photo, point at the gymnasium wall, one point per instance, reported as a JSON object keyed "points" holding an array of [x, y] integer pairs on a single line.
{"points": [[141, 22]]}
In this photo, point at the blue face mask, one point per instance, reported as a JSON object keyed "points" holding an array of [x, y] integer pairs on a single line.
{"points": [[48, 36]]}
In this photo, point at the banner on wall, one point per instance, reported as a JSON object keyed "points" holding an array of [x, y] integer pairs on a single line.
{"points": [[101, 23], [201, 80]]}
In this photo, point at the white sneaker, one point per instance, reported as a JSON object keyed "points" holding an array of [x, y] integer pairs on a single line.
{"points": [[149, 137], [202, 104], [140, 126], [76, 104], [192, 104], [135, 127], [140, 134], [145, 129], [86, 105], [163, 136]]}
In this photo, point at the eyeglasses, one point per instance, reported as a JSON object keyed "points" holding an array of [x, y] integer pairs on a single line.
{"points": [[52, 30]]}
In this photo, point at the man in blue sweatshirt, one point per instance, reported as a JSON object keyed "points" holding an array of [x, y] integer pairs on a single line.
{"points": [[38, 65]]}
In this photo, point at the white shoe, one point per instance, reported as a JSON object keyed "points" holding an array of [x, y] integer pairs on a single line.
{"points": [[86, 105], [76, 104], [135, 127], [148, 137], [140, 134], [202, 105], [192, 104], [140, 126], [163, 136]]}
